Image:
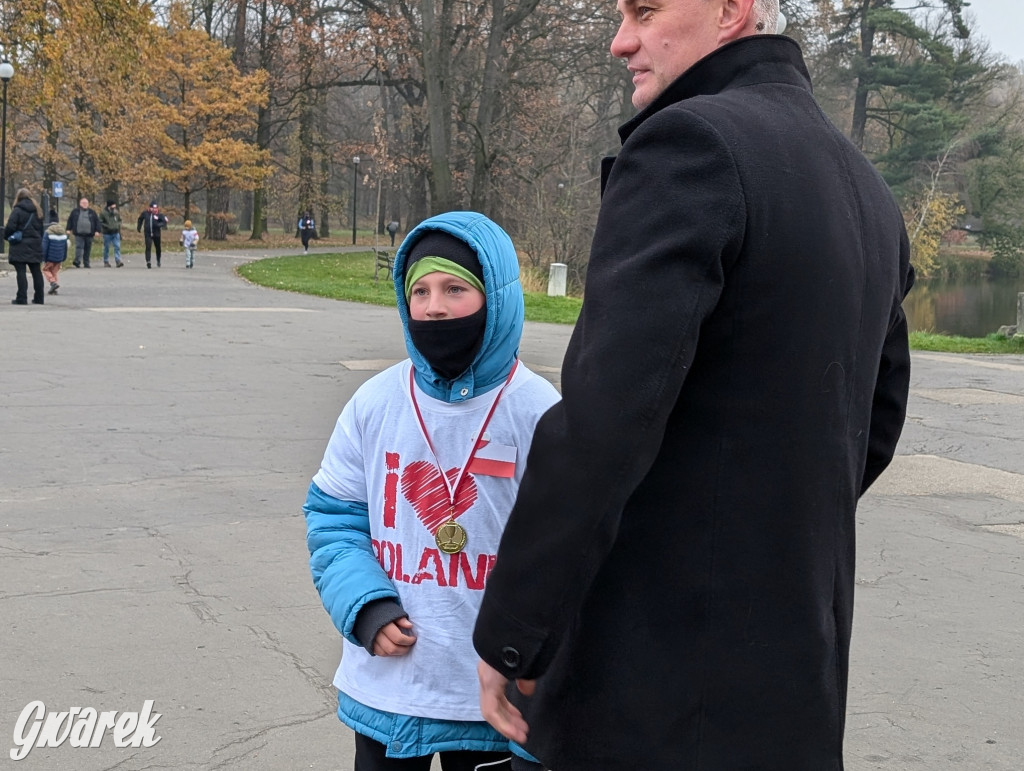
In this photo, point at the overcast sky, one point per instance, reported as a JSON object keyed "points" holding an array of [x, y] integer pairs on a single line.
{"points": [[1002, 23]]}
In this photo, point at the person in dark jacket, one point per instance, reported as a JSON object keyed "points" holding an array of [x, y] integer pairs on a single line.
{"points": [[83, 225], [150, 223], [27, 252], [110, 226], [307, 230], [674, 588], [55, 251]]}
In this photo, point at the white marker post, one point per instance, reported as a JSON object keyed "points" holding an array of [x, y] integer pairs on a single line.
{"points": [[556, 279]]}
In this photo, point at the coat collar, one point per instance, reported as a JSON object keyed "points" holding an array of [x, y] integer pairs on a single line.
{"points": [[743, 62]]}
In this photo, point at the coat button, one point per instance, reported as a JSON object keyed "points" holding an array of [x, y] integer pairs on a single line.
{"points": [[396, 746], [510, 657]]}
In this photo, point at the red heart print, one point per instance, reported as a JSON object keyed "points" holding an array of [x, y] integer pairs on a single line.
{"points": [[424, 488]]}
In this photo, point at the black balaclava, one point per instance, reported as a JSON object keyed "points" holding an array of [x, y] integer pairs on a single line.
{"points": [[450, 345]]}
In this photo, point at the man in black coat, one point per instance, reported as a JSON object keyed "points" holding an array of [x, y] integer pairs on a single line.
{"points": [[674, 589], [83, 225], [150, 223]]}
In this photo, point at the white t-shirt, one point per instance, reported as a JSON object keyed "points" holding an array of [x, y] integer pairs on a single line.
{"points": [[378, 454]]}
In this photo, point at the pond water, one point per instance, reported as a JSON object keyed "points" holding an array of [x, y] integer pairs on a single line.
{"points": [[968, 307]]}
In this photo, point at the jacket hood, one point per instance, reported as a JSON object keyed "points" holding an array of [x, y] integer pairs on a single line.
{"points": [[56, 229], [505, 312], [27, 205]]}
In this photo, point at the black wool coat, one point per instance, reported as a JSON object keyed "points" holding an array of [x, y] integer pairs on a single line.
{"points": [[25, 218], [678, 569], [94, 222]]}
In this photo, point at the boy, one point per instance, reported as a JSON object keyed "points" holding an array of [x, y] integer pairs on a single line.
{"points": [[405, 514], [189, 239], [55, 251]]}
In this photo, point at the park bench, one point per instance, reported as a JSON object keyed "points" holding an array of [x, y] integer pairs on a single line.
{"points": [[384, 260]]}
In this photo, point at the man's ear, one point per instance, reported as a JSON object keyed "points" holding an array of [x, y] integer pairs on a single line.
{"points": [[735, 20]]}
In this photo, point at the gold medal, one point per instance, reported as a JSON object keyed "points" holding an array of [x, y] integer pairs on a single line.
{"points": [[451, 537]]}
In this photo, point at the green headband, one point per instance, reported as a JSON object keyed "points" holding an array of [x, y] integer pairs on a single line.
{"points": [[426, 265]]}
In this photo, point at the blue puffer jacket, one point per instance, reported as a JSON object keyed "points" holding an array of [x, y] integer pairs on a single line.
{"points": [[505, 310], [337, 528]]}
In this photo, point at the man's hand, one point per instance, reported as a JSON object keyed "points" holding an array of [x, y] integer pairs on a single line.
{"points": [[394, 639], [497, 709]]}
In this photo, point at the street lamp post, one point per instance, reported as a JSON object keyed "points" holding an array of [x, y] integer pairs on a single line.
{"points": [[355, 187], [6, 73]]}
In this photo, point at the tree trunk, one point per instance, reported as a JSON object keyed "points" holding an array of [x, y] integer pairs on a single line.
{"points": [[494, 69], [436, 68], [306, 181], [860, 99], [49, 171], [245, 215], [325, 207], [259, 200], [217, 213], [259, 215]]}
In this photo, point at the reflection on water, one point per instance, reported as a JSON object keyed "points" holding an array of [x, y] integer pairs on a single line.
{"points": [[972, 308]]}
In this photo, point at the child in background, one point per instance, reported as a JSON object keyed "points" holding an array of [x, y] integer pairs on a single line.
{"points": [[189, 239], [55, 251], [405, 514]]}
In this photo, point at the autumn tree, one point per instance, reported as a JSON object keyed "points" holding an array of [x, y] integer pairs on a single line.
{"points": [[202, 105], [77, 87]]}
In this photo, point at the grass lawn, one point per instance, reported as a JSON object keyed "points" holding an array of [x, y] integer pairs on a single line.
{"points": [[926, 341], [350, 277]]}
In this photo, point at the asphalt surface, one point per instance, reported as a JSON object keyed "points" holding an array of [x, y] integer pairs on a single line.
{"points": [[158, 430]]}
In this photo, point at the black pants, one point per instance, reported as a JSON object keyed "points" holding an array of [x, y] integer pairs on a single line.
{"points": [[305, 235], [370, 756], [22, 278], [83, 248], [154, 243]]}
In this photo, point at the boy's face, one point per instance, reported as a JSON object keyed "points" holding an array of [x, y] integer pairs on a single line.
{"points": [[439, 296]]}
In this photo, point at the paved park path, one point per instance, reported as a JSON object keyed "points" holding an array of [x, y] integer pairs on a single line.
{"points": [[158, 430]]}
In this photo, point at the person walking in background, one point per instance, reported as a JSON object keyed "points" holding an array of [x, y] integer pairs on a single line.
{"points": [[392, 229], [110, 226], [674, 588], [24, 234], [189, 240], [307, 230], [460, 407], [55, 251], [150, 223], [83, 225]]}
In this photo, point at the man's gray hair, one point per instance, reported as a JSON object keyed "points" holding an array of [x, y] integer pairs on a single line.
{"points": [[766, 16]]}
